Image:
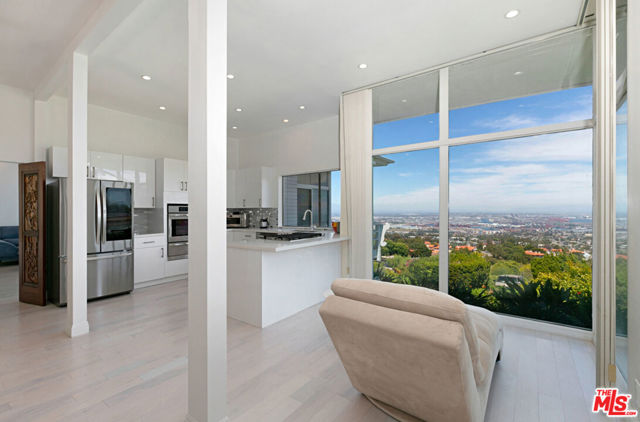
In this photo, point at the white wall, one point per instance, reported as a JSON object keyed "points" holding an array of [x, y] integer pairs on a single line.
{"points": [[8, 194], [233, 151], [110, 131], [16, 124], [299, 149]]}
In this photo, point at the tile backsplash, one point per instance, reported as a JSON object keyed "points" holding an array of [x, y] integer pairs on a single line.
{"points": [[257, 214], [148, 220]]}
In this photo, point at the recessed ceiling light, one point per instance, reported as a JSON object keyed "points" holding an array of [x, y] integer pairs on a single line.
{"points": [[146, 77], [234, 127], [163, 108], [362, 66], [285, 120], [238, 109], [301, 107], [404, 100], [512, 14], [517, 73], [230, 76]]}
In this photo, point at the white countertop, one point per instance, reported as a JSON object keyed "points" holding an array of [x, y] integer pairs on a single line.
{"points": [[280, 245]]}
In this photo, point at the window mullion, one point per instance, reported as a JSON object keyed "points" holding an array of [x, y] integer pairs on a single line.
{"points": [[443, 115]]}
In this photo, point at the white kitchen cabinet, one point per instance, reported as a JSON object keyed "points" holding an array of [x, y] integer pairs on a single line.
{"points": [[149, 258], [142, 173], [100, 165], [231, 189], [105, 165], [148, 264], [256, 188], [173, 174]]}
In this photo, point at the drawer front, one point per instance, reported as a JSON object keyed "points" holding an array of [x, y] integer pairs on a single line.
{"points": [[149, 242]]}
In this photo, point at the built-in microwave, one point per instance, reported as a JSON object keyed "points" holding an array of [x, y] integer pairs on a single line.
{"points": [[237, 220]]}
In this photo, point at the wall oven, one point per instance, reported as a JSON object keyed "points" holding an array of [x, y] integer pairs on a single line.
{"points": [[177, 231]]}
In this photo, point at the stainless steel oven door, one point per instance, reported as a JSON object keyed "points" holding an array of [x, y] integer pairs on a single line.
{"points": [[177, 250], [177, 228]]}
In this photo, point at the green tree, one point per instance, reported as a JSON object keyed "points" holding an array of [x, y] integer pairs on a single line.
{"points": [[395, 248], [424, 272], [417, 248]]}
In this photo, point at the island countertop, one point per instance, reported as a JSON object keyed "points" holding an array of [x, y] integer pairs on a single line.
{"points": [[245, 239]]}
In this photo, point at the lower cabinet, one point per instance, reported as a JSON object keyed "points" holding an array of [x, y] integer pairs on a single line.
{"points": [[149, 264]]}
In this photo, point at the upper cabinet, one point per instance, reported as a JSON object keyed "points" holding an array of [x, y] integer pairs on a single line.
{"points": [[142, 173], [172, 174], [252, 188], [100, 165], [105, 165]]}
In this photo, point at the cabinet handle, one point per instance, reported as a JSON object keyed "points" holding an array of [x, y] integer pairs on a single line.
{"points": [[259, 202], [87, 170], [186, 185], [244, 203], [162, 252], [149, 241], [153, 202], [94, 171]]}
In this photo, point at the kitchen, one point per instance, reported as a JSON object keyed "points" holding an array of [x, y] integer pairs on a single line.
{"points": [[274, 270]]}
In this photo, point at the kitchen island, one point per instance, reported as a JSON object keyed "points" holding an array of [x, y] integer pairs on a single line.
{"points": [[269, 280]]}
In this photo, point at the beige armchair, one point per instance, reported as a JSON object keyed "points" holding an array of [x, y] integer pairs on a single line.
{"points": [[417, 354]]}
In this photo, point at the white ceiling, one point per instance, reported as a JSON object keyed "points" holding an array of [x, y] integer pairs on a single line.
{"points": [[33, 33], [285, 53]]}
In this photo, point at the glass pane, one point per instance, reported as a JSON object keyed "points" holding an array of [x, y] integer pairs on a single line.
{"points": [[520, 226], [622, 275], [406, 111], [405, 218], [335, 197], [118, 214], [306, 192], [537, 84]]}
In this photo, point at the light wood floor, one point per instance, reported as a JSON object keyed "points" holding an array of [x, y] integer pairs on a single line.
{"points": [[8, 282], [132, 367]]}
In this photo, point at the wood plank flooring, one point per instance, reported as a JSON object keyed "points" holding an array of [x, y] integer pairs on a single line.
{"points": [[8, 282], [132, 367]]}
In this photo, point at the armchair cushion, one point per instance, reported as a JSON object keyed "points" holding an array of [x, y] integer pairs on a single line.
{"points": [[418, 300]]}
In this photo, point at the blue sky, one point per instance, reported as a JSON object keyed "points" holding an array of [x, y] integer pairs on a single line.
{"points": [[542, 174]]}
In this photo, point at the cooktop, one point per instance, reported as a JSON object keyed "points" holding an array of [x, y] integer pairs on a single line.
{"points": [[291, 236]]}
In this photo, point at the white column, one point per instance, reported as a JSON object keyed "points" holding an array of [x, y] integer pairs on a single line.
{"points": [[443, 113], [207, 295], [356, 147], [604, 172], [633, 189], [77, 323]]}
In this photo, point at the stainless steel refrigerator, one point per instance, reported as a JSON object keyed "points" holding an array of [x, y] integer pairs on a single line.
{"points": [[109, 239]]}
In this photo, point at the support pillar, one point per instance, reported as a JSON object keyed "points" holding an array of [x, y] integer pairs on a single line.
{"points": [[77, 323], [207, 128]]}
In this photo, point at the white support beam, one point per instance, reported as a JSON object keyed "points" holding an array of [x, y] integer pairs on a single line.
{"points": [[77, 323], [604, 184], [443, 115], [107, 17], [207, 128]]}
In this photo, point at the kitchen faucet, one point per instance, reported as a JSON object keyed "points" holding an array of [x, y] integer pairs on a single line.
{"points": [[304, 218]]}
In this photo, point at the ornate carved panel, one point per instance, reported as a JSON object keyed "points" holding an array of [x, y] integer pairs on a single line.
{"points": [[32, 233], [31, 202]]}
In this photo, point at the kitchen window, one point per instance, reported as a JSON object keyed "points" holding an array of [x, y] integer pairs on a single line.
{"points": [[318, 193]]}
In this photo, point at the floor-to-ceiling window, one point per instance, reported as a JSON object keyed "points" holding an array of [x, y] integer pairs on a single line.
{"points": [[518, 181]]}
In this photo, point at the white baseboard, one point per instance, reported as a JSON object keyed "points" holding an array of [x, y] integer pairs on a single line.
{"points": [[547, 327], [160, 281]]}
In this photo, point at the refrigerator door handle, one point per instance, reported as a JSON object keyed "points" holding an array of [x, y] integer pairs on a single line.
{"points": [[98, 216], [103, 192]]}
